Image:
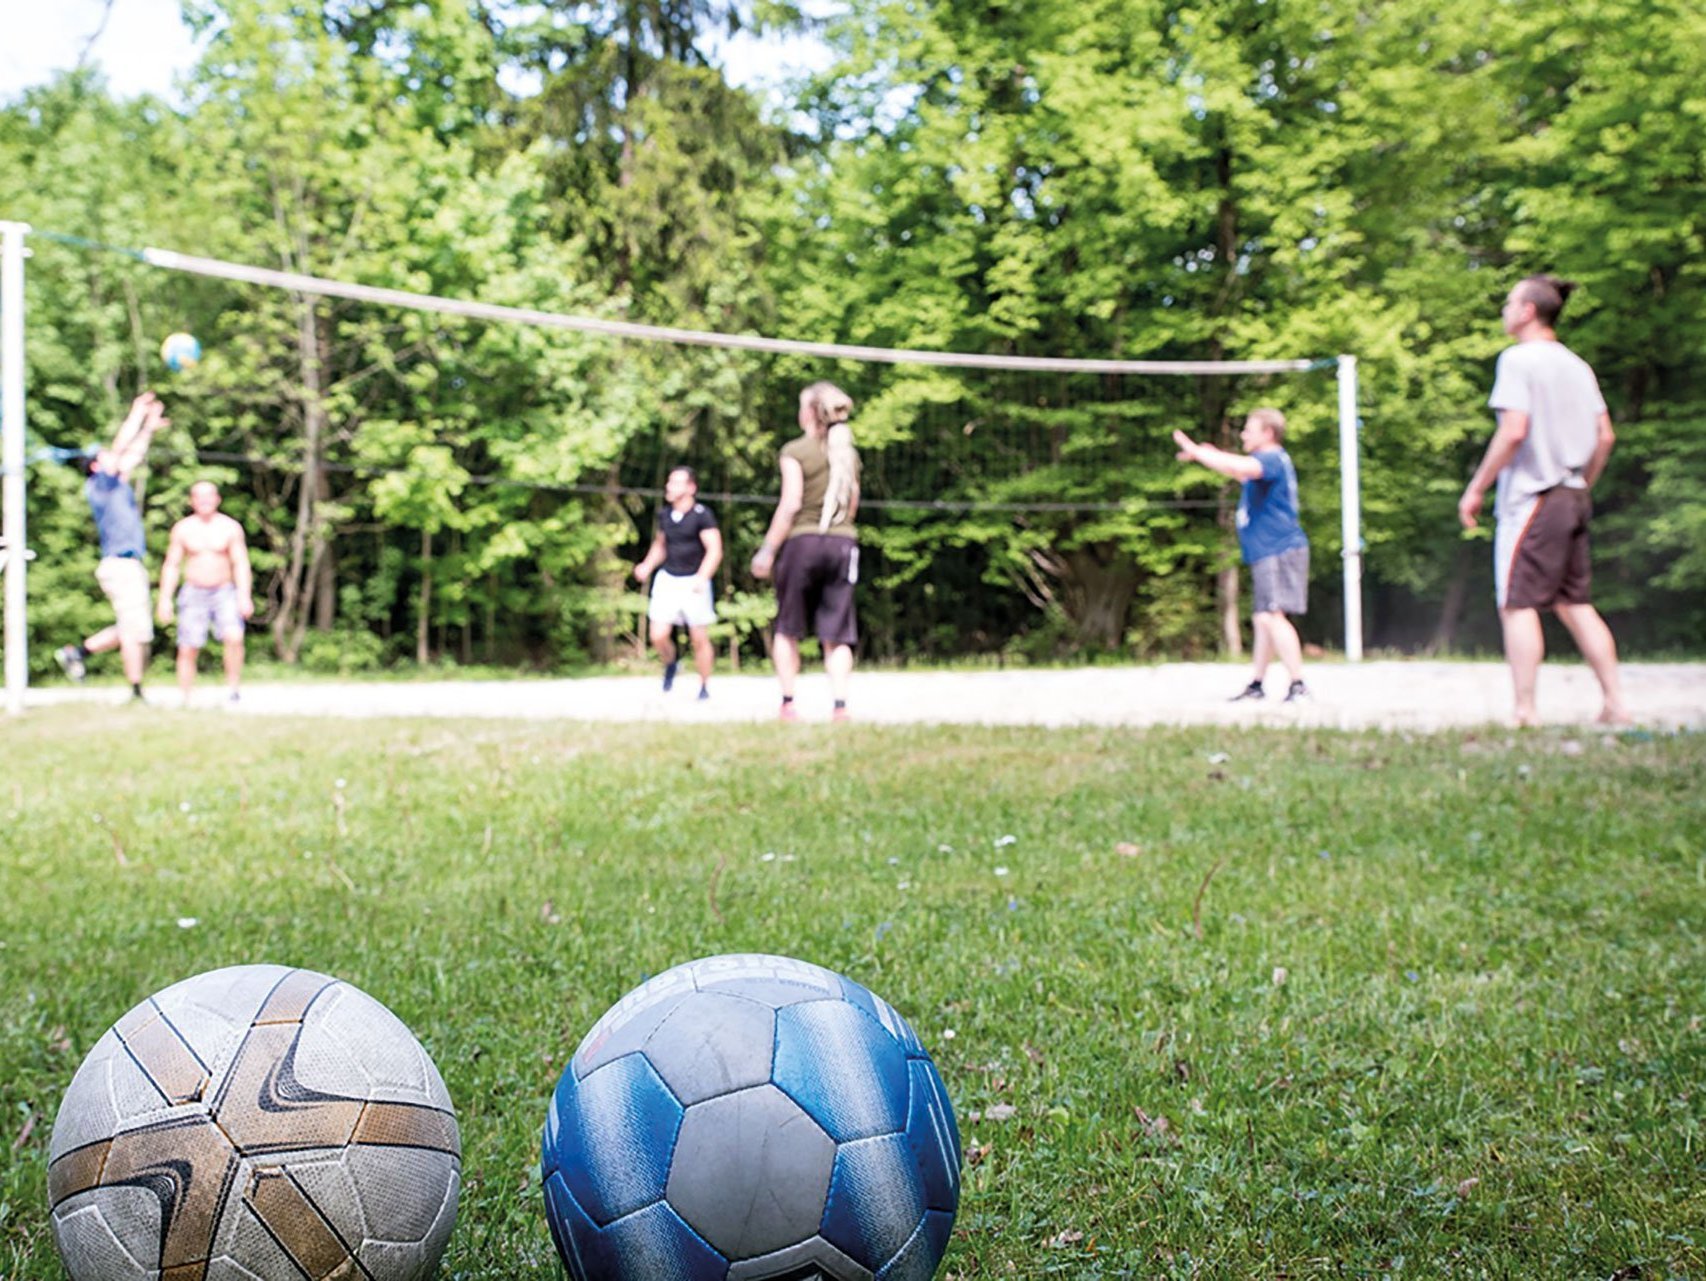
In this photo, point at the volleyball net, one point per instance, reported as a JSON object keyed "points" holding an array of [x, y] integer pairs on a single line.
{"points": [[993, 484]]}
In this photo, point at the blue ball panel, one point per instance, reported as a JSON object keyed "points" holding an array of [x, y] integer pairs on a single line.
{"points": [[876, 1199], [653, 1245], [934, 1138], [837, 1063], [885, 1014], [614, 1133], [920, 1257], [569, 1226]]}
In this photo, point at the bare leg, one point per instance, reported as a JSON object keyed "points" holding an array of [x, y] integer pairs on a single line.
{"points": [[703, 655], [102, 641], [135, 657], [663, 640], [838, 662], [1599, 648], [233, 656], [785, 654], [1261, 651], [186, 671], [1281, 637], [1525, 646]]}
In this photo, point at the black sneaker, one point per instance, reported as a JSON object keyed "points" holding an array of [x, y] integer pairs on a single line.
{"points": [[71, 659], [669, 675], [1252, 692], [1297, 693], [704, 694]]}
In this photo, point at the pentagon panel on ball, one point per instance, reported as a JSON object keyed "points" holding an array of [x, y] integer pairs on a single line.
{"points": [[255, 1122], [751, 1118]]}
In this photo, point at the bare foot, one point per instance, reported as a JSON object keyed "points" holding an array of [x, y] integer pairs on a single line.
{"points": [[1527, 718], [1615, 715]]}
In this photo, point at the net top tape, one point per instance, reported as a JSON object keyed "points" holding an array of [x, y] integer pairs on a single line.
{"points": [[317, 285]]}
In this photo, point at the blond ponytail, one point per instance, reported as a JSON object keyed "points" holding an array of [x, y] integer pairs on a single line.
{"points": [[830, 408]]}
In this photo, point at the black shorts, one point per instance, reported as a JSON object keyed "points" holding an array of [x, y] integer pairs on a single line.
{"points": [[814, 585], [1547, 563]]}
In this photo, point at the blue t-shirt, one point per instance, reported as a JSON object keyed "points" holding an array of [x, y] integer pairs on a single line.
{"points": [[120, 524], [1267, 509]]}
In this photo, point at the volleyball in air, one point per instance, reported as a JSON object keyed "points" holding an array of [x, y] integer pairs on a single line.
{"points": [[180, 352]]}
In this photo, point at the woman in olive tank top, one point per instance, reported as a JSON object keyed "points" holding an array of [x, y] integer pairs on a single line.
{"points": [[812, 546]]}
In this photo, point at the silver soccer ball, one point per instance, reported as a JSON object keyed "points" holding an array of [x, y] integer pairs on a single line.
{"points": [[256, 1122]]}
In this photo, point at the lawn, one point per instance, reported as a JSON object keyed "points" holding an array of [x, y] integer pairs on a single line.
{"points": [[1207, 1003]]}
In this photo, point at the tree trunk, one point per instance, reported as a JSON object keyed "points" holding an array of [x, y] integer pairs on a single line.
{"points": [[326, 589], [1231, 624], [424, 605], [1451, 608], [308, 539], [1097, 595]]}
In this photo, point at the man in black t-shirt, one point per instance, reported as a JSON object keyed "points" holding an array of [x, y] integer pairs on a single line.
{"points": [[684, 554]]}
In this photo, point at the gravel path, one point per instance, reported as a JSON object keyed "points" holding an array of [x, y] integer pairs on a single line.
{"points": [[1376, 695]]}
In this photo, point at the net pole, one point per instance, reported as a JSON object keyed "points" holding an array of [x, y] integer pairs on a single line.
{"points": [[1350, 505], [12, 456]]}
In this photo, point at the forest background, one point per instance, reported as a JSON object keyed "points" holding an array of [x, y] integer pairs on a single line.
{"points": [[1131, 179]]}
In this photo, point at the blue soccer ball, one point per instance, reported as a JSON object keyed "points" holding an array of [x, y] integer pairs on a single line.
{"points": [[180, 352], [751, 1118]]}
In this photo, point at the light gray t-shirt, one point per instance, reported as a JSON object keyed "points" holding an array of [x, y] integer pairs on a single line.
{"points": [[1561, 396]]}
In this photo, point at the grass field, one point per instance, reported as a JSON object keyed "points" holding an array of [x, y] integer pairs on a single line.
{"points": [[1261, 1004]]}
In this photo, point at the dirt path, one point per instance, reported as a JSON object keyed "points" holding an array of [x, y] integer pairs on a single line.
{"points": [[1375, 695]]}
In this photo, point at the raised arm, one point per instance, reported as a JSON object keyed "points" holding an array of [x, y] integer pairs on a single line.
{"points": [[128, 457], [133, 421], [1513, 430], [1237, 466]]}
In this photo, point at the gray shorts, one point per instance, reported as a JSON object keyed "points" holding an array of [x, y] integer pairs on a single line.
{"points": [[1282, 583], [204, 609]]}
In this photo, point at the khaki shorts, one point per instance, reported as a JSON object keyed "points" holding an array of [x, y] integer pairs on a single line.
{"points": [[125, 581]]}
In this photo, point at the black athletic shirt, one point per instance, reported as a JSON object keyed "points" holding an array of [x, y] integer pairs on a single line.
{"points": [[684, 549]]}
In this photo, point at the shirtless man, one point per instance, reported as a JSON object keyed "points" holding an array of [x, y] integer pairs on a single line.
{"points": [[209, 549]]}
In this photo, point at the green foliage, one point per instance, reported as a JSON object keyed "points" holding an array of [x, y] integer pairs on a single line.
{"points": [[1238, 180], [1328, 1005]]}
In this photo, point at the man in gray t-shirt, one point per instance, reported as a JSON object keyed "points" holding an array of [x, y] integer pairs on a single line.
{"points": [[1552, 443]]}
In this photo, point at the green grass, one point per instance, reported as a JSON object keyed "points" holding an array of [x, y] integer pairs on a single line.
{"points": [[1486, 1057]]}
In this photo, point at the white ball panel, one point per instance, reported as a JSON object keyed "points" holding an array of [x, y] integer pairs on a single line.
{"points": [[376, 1042], [88, 1113], [402, 1190], [104, 1235], [227, 1269]]}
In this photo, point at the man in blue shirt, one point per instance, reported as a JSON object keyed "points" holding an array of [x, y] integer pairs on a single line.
{"points": [[122, 573], [1271, 538]]}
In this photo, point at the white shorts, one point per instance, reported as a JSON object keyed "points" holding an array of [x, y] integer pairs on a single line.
{"points": [[125, 581], [684, 600]]}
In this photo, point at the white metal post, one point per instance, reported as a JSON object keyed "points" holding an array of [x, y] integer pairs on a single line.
{"points": [[12, 456], [1350, 504]]}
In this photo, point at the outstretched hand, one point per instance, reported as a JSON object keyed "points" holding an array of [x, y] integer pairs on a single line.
{"points": [[1188, 448]]}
